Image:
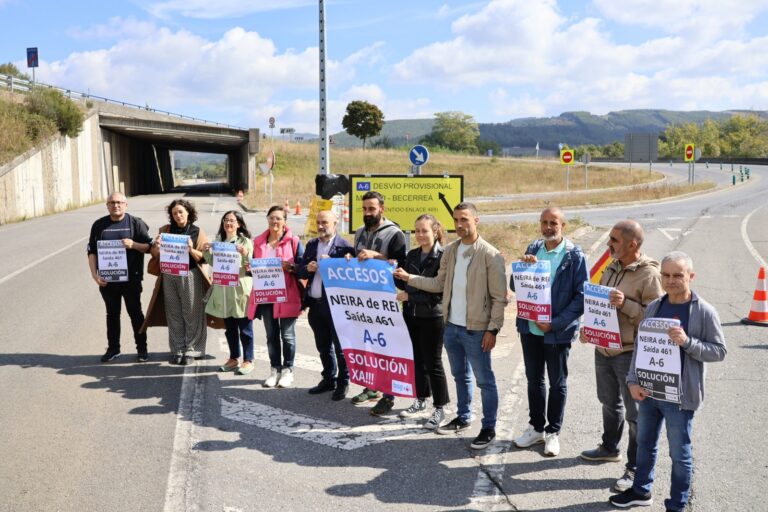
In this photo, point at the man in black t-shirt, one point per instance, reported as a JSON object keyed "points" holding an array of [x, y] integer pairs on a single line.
{"points": [[116, 250]]}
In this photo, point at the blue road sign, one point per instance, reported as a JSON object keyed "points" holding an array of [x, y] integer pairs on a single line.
{"points": [[419, 155], [32, 61]]}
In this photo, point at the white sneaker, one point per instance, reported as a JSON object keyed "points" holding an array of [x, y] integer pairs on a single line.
{"points": [[626, 481], [529, 438], [551, 444], [417, 407], [274, 375], [286, 378]]}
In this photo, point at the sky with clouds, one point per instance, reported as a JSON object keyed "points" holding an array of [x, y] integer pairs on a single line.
{"points": [[242, 61]]}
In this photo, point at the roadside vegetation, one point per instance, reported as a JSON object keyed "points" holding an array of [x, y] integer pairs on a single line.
{"points": [[27, 120]]}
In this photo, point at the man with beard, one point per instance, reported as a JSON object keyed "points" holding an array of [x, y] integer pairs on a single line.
{"points": [[380, 239], [472, 280], [635, 281], [327, 245], [546, 344]]}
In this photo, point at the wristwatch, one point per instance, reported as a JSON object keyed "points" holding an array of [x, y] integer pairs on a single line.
{"points": [[493, 331]]}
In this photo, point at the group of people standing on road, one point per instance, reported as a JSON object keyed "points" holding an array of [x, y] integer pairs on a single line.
{"points": [[454, 297]]}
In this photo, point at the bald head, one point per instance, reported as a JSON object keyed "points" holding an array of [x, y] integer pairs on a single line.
{"points": [[326, 225], [552, 224], [630, 230]]}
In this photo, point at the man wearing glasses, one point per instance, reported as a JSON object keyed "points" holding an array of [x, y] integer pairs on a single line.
{"points": [[116, 250]]}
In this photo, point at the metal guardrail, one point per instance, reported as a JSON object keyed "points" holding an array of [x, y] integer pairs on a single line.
{"points": [[20, 85]]}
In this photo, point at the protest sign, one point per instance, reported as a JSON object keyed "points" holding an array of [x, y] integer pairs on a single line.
{"points": [[533, 290], [657, 363], [112, 260], [174, 254], [268, 280], [226, 264], [601, 321], [370, 324]]}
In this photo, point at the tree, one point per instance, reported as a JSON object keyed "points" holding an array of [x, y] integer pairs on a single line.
{"points": [[454, 130], [363, 120]]}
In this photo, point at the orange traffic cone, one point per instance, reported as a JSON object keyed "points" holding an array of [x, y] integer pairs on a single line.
{"points": [[758, 313], [298, 208], [345, 212]]}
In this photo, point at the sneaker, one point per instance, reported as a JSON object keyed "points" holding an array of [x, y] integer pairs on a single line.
{"points": [[322, 387], [483, 439], [438, 416], [630, 498], [453, 426], [245, 368], [230, 366], [601, 453], [529, 438], [187, 360], [551, 444], [176, 359], [142, 357], [626, 481], [340, 393], [367, 395], [110, 355], [383, 406], [417, 407], [286, 378], [274, 375]]}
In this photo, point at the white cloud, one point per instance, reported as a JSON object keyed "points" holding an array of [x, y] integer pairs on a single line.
{"points": [[570, 63], [206, 9]]}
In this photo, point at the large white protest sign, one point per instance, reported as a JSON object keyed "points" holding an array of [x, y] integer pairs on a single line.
{"points": [[268, 281], [657, 364], [601, 321], [370, 324], [226, 264], [174, 254], [112, 260], [533, 290]]}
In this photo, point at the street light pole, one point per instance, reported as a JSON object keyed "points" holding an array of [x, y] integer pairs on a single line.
{"points": [[325, 160]]}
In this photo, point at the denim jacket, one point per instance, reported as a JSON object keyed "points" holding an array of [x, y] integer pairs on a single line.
{"points": [[567, 294], [706, 344]]}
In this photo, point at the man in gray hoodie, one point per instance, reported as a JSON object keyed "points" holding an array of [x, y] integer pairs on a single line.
{"points": [[700, 340], [635, 282]]}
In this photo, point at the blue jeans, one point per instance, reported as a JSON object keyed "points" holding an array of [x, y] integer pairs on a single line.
{"points": [[552, 358], [278, 329], [239, 330], [466, 356], [679, 423]]}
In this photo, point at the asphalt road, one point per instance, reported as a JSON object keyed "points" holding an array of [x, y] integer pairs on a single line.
{"points": [[80, 435]]}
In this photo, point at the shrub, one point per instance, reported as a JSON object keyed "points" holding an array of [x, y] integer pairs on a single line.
{"points": [[53, 105]]}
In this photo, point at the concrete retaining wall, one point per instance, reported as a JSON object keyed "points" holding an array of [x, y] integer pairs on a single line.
{"points": [[65, 173]]}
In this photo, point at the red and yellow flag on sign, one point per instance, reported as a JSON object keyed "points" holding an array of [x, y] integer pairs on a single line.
{"points": [[598, 268]]}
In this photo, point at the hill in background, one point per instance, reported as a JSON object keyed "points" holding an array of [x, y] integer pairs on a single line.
{"points": [[572, 128]]}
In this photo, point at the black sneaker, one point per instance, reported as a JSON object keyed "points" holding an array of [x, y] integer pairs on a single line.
{"points": [[142, 357], [340, 393], [483, 439], [110, 355], [322, 387], [630, 498], [187, 360], [601, 453], [454, 426]]}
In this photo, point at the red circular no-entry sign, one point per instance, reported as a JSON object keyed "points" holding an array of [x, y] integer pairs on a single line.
{"points": [[566, 156]]}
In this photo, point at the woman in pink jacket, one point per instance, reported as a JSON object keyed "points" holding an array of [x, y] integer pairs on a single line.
{"points": [[279, 318]]}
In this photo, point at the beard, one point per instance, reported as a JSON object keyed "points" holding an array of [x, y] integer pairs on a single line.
{"points": [[371, 220]]}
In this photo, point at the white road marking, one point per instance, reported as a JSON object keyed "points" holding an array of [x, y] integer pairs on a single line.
{"points": [[182, 489], [748, 242], [675, 218], [664, 232], [38, 262], [316, 430]]}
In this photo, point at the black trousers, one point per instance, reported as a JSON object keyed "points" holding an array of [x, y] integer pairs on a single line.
{"points": [[327, 342], [427, 339], [113, 294]]}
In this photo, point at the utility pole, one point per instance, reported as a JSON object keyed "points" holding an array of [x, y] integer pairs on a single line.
{"points": [[325, 156]]}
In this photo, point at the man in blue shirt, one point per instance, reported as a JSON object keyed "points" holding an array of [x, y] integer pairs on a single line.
{"points": [[546, 345]]}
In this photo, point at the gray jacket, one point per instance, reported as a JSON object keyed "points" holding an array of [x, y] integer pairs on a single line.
{"points": [[706, 344]]}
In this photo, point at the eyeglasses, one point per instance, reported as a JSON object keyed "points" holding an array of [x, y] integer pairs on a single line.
{"points": [[114, 203]]}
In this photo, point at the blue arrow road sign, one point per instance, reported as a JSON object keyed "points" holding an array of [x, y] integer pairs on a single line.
{"points": [[418, 155]]}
